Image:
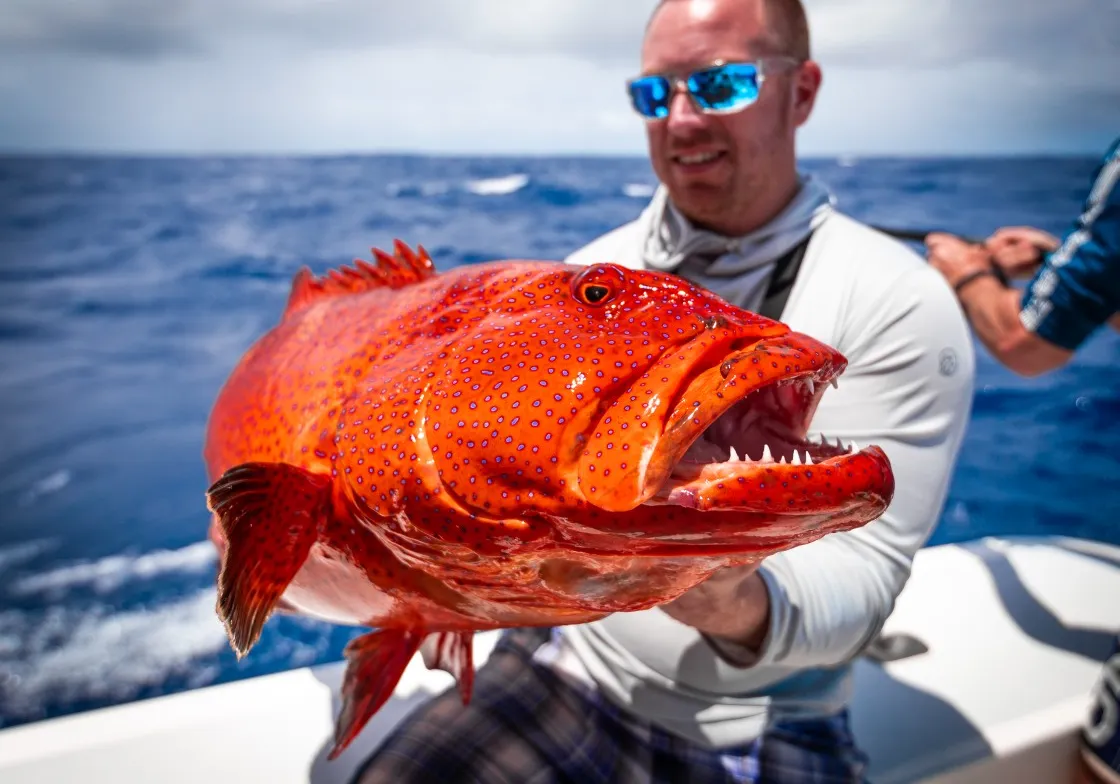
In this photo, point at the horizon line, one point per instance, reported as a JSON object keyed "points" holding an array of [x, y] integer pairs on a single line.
{"points": [[537, 154]]}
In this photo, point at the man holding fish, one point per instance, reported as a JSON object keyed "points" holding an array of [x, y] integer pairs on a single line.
{"points": [[744, 677]]}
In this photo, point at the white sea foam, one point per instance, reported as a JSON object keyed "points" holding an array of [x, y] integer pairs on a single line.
{"points": [[237, 237], [51, 483], [638, 190], [21, 553], [498, 186], [109, 573], [66, 654]]}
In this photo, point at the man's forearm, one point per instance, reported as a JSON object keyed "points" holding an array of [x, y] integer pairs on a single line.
{"points": [[994, 314], [733, 605]]}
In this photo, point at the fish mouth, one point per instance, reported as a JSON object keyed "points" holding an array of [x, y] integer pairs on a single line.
{"points": [[734, 436], [752, 459]]}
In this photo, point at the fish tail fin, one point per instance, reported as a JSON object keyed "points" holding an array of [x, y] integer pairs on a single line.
{"points": [[269, 515], [452, 652], [401, 269], [376, 662]]}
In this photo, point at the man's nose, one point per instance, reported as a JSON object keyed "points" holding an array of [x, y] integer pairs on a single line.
{"points": [[683, 114]]}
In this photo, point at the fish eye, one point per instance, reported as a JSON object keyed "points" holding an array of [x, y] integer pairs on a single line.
{"points": [[597, 285], [593, 293]]}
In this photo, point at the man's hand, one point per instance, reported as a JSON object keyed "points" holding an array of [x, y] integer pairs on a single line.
{"points": [[993, 308], [732, 604], [1018, 250], [956, 259]]}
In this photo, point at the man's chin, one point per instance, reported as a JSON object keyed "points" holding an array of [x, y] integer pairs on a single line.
{"points": [[703, 203]]}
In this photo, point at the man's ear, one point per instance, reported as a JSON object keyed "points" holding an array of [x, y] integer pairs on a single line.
{"points": [[806, 85]]}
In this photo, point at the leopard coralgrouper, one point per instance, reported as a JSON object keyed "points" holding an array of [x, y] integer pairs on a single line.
{"points": [[509, 444]]}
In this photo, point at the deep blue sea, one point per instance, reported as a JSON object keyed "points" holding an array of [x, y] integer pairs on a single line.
{"points": [[129, 288]]}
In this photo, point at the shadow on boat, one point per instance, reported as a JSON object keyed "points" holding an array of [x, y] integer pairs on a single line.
{"points": [[1034, 618]]}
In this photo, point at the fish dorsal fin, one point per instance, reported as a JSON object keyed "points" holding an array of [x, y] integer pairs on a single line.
{"points": [[401, 269]]}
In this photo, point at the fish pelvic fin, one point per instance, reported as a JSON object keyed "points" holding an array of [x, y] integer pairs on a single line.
{"points": [[401, 269], [452, 652], [270, 515], [376, 662]]}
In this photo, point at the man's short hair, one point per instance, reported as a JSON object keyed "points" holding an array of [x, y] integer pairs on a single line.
{"points": [[787, 22], [790, 25]]}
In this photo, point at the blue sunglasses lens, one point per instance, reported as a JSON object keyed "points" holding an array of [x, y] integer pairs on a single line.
{"points": [[726, 87], [650, 96]]}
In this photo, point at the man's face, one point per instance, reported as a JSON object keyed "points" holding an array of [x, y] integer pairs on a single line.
{"points": [[714, 166]]}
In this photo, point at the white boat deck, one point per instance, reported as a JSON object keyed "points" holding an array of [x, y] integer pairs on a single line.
{"points": [[1015, 629]]}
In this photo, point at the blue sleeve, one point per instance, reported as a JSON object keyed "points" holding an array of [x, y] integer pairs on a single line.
{"points": [[1077, 289]]}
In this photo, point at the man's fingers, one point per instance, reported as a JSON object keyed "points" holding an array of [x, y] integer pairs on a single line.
{"points": [[944, 245]]}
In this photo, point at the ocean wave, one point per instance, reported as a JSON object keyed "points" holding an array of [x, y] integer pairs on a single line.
{"points": [[108, 574], [66, 654], [14, 555], [51, 483], [412, 190], [638, 190], [498, 186], [238, 238]]}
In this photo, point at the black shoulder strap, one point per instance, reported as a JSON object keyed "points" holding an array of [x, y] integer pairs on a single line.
{"points": [[782, 280]]}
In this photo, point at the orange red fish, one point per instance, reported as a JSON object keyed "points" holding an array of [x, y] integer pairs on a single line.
{"points": [[509, 444]]}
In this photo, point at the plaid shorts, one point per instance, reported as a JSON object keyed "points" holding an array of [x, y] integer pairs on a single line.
{"points": [[528, 725]]}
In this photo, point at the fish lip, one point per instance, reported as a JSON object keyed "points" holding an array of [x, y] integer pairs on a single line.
{"points": [[826, 479], [680, 435], [636, 441]]}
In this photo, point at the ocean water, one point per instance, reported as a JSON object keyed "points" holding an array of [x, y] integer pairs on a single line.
{"points": [[130, 287]]}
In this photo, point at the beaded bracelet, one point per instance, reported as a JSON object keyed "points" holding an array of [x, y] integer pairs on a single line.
{"points": [[960, 284]]}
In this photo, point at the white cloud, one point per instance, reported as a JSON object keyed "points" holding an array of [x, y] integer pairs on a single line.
{"points": [[528, 75], [347, 100], [950, 32], [144, 28]]}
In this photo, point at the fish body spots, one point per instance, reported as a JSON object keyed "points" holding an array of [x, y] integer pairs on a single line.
{"points": [[459, 408], [451, 452]]}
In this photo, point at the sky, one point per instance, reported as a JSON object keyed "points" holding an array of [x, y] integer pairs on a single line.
{"points": [[901, 77]]}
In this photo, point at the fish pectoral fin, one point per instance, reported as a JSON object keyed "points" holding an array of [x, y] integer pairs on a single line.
{"points": [[452, 652], [376, 662], [270, 515]]}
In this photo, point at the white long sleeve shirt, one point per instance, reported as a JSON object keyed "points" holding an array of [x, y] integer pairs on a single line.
{"points": [[908, 388]]}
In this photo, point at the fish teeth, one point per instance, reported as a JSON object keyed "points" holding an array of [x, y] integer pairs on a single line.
{"points": [[855, 447], [811, 386], [808, 458], [782, 460], [834, 383], [766, 456], [734, 457], [796, 458]]}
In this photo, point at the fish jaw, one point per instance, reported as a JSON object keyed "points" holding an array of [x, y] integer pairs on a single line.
{"points": [[770, 381], [859, 485]]}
